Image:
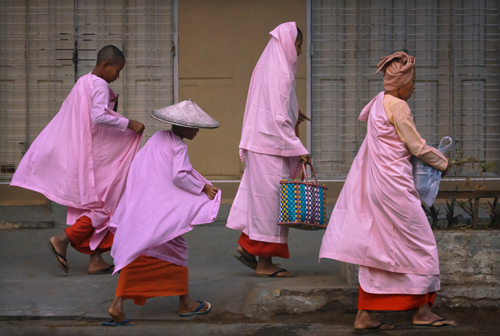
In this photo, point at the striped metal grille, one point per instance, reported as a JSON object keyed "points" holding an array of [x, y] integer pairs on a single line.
{"points": [[46, 45], [456, 45]]}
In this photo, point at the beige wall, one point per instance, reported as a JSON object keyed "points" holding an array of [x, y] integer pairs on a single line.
{"points": [[220, 42]]}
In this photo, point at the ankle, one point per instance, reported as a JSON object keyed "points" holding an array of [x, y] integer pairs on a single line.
{"points": [[184, 300], [265, 262], [61, 239]]}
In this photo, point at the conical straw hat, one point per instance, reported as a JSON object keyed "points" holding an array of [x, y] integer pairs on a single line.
{"points": [[187, 114]]}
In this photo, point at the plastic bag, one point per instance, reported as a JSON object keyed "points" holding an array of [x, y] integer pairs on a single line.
{"points": [[427, 178]]}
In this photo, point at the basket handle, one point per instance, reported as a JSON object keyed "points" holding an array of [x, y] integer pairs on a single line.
{"points": [[304, 171]]}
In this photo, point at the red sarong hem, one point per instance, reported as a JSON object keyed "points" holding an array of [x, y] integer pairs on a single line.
{"points": [[148, 277], [368, 301], [263, 249]]}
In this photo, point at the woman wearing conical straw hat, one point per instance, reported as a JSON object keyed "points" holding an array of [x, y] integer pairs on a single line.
{"points": [[378, 222], [163, 199]]}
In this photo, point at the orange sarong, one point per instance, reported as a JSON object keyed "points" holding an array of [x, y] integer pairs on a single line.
{"points": [[147, 277], [80, 234], [369, 301], [263, 249]]}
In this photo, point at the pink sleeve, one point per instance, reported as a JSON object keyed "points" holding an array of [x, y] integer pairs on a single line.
{"points": [[181, 171], [99, 114]]}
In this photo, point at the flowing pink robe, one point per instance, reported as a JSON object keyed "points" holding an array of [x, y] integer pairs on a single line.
{"points": [[81, 158], [378, 221], [268, 141], [162, 201]]}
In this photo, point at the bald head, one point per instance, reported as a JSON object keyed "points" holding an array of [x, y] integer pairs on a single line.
{"points": [[111, 54]]}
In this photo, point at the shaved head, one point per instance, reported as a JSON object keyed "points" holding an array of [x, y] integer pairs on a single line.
{"points": [[111, 54]]}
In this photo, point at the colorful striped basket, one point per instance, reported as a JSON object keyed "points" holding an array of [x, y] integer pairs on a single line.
{"points": [[303, 203]]}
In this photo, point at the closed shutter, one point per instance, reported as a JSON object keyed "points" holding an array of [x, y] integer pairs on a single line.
{"points": [[46, 45], [456, 45], [144, 30]]}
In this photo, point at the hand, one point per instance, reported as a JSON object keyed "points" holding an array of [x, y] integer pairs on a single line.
{"points": [[302, 117], [445, 172], [136, 126], [210, 190], [306, 158]]}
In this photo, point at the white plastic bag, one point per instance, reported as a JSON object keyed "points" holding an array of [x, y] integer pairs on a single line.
{"points": [[427, 178]]}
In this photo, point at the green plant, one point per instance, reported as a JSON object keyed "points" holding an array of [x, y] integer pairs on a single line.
{"points": [[487, 167], [467, 206], [433, 214], [450, 214]]}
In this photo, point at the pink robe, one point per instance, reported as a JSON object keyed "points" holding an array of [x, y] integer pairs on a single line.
{"points": [[268, 141], [81, 158], [162, 201], [378, 221], [268, 125]]}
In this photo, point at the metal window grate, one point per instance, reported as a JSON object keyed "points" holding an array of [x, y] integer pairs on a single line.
{"points": [[47, 44], [456, 45]]}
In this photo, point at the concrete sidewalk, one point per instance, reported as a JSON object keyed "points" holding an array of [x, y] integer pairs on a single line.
{"points": [[32, 285], [38, 298]]}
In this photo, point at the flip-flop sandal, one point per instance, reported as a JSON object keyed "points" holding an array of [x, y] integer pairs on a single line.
{"points": [[197, 310], [247, 262], [376, 328], [57, 256], [275, 274], [123, 323], [432, 325], [108, 270], [252, 263]]}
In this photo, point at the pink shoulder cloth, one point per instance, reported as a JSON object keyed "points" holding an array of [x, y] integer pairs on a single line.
{"points": [[271, 110]]}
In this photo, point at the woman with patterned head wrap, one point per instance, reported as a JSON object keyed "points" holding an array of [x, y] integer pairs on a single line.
{"points": [[378, 222]]}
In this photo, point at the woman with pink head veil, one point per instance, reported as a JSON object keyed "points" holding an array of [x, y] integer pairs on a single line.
{"points": [[271, 148], [378, 222]]}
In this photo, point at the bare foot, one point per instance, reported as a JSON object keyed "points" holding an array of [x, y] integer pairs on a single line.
{"points": [[116, 311], [265, 266], [365, 321], [60, 244], [97, 265], [187, 305], [424, 316]]}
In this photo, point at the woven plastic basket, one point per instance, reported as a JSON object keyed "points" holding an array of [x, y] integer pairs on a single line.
{"points": [[303, 203]]}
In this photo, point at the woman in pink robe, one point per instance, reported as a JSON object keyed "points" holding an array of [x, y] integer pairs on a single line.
{"points": [[378, 222], [271, 149]]}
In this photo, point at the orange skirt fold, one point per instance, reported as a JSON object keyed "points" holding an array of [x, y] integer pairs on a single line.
{"points": [[368, 301], [263, 249], [147, 277], [80, 234]]}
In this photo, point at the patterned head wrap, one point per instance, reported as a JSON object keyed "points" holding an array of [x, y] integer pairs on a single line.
{"points": [[398, 70]]}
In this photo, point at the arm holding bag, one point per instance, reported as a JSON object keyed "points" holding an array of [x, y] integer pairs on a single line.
{"points": [[427, 178]]}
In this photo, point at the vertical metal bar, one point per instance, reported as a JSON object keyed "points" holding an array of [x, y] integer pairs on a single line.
{"points": [[176, 56], [26, 72], [358, 73], [309, 69], [475, 221], [406, 25], [75, 51], [452, 75], [124, 71], [341, 113]]}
